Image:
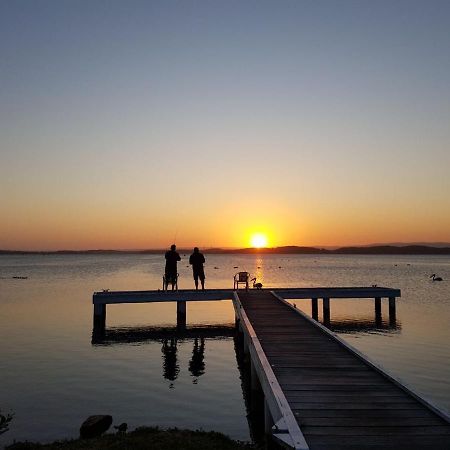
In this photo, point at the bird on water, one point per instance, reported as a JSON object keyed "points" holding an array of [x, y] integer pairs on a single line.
{"points": [[435, 278]]}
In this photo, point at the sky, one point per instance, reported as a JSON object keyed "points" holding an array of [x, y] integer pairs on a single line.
{"points": [[136, 124]]}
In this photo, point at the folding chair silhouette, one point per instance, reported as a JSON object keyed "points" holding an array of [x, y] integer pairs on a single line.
{"points": [[170, 279], [241, 278]]}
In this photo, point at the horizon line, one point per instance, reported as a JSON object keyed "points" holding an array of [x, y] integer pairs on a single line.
{"points": [[186, 247]]}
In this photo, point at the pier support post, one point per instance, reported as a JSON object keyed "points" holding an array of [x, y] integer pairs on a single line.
{"points": [[99, 317], [181, 315], [378, 306], [326, 310], [268, 421], [246, 348], [254, 380], [314, 309], [392, 313], [378, 321]]}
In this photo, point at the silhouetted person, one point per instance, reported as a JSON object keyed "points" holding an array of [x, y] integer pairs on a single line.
{"points": [[197, 364], [171, 369], [172, 257], [197, 260]]}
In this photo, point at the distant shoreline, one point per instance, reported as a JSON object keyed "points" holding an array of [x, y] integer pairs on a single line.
{"points": [[286, 250]]}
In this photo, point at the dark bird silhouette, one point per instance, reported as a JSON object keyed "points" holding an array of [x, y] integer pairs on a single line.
{"points": [[122, 428], [435, 278], [255, 284]]}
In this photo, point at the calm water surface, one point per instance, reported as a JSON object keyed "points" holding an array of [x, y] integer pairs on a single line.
{"points": [[53, 377]]}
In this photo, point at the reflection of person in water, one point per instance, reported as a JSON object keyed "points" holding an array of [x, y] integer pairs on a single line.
{"points": [[197, 364], [171, 369]]}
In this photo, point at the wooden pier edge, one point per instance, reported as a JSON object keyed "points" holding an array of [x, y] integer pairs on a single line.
{"points": [[285, 429], [377, 367]]}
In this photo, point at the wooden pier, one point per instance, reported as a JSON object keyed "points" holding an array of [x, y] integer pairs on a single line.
{"points": [[103, 298], [323, 394], [319, 392]]}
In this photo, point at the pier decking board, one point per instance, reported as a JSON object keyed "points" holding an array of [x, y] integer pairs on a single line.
{"points": [[338, 400]]}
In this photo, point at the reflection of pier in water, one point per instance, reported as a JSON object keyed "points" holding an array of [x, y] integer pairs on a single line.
{"points": [[169, 337], [124, 335], [365, 325]]}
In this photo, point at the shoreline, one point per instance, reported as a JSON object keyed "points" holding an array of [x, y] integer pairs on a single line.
{"points": [[143, 438]]}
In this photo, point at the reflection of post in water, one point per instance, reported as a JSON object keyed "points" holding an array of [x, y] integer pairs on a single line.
{"points": [[197, 363], [171, 369], [253, 399]]}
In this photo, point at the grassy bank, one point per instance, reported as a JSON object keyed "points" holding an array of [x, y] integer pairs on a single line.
{"points": [[144, 438]]}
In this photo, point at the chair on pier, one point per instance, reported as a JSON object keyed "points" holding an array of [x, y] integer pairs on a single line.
{"points": [[170, 279], [242, 278]]}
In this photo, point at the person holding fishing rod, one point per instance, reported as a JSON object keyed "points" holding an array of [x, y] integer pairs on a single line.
{"points": [[197, 260], [172, 257]]}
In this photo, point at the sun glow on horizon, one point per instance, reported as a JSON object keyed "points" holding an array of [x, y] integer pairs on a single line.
{"points": [[258, 240]]}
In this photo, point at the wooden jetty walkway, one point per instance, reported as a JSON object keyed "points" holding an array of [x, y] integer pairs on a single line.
{"points": [[329, 396], [319, 392]]}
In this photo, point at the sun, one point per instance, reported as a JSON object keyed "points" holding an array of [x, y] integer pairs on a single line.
{"points": [[258, 240]]}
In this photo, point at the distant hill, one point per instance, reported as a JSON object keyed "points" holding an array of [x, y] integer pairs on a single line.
{"points": [[291, 249], [393, 250]]}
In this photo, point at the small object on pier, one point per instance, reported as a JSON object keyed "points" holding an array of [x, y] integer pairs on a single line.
{"points": [[105, 290], [216, 268], [94, 426], [255, 284], [435, 278], [122, 428], [279, 267], [259, 267], [241, 277], [236, 267], [374, 285], [20, 278]]}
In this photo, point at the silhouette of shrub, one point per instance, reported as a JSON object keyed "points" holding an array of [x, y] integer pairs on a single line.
{"points": [[4, 422]]}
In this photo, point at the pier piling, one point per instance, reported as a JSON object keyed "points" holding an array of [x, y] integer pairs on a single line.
{"points": [[181, 315], [326, 310], [99, 317], [314, 309]]}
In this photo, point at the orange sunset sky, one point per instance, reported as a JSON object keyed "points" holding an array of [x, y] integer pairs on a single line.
{"points": [[132, 127]]}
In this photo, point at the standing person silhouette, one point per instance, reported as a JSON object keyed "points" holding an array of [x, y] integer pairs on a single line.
{"points": [[197, 260], [172, 257]]}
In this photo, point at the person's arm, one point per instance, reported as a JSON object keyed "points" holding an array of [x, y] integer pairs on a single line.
{"points": [[178, 257], [190, 259]]}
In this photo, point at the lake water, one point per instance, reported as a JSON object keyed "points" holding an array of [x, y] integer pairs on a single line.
{"points": [[52, 376]]}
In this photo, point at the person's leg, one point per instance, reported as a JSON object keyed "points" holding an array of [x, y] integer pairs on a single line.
{"points": [[202, 279], [173, 279], [196, 280]]}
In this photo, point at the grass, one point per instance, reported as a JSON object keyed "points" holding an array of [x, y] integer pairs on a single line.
{"points": [[144, 438]]}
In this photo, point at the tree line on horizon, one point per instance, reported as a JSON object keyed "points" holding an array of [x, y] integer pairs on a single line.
{"points": [[290, 249]]}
